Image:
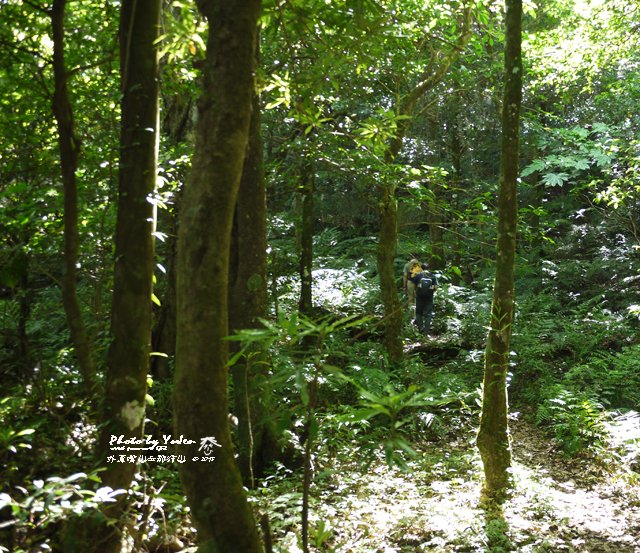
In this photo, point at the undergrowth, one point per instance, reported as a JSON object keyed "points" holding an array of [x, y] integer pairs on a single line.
{"points": [[576, 356]]}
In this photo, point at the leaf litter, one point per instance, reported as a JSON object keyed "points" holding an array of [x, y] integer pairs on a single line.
{"points": [[558, 503]]}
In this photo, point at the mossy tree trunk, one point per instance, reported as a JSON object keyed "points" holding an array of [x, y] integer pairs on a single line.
{"points": [[493, 435], [387, 245], [214, 490], [69, 145], [128, 357]]}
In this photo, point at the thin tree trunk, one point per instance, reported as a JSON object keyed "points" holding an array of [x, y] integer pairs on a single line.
{"points": [[214, 490], [493, 435], [248, 303], [164, 330], [176, 127], [307, 189], [387, 243], [435, 217], [311, 432], [128, 357], [388, 204], [69, 149]]}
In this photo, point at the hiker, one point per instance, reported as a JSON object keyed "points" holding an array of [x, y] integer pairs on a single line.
{"points": [[407, 284], [425, 285]]}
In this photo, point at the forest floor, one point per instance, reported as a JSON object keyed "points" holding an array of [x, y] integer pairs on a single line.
{"points": [[559, 504]]}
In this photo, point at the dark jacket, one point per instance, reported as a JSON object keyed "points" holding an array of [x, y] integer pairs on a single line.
{"points": [[424, 274]]}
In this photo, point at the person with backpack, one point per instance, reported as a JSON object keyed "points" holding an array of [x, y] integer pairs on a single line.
{"points": [[426, 284], [407, 283]]}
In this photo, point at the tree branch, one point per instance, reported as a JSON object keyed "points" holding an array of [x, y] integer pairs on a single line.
{"points": [[45, 11]]}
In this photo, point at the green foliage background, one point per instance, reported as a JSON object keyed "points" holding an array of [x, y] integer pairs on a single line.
{"points": [[330, 74]]}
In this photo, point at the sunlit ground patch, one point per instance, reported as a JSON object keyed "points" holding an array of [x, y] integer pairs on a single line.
{"points": [[390, 511], [436, 507], [550, 515], [340, 288]]}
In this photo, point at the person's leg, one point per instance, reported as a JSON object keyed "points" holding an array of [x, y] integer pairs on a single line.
{"points": [[419, 313], [427, 313], [411, 293]]}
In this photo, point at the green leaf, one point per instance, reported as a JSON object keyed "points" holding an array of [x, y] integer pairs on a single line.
{"points": [[581, 164], [555, 179], [601, 159], [537, 165], [25, 432], [235, 357], [73, 477], [363, 414]]}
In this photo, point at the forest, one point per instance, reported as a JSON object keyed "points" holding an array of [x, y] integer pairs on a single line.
{"points": [[216, 221]]}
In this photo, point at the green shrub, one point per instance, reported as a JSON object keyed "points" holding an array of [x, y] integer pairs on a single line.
{"points": [[613, 378], [576, 421], [466, 312], [37, 510], [551, 341]]}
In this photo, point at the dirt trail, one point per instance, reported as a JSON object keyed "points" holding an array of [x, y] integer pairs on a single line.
{"points": [[590, 508], [558, 505]]}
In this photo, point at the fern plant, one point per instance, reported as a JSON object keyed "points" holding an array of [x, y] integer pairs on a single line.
{"points": [[576, 421], [614, 378]]}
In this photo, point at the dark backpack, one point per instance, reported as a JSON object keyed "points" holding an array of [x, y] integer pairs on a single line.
{"points": [[423, 288]]}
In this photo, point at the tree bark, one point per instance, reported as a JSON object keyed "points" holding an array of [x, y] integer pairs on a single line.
{"points": [[387, 244], [128, 357], [493, 434], [69, 146], [214, 490]]}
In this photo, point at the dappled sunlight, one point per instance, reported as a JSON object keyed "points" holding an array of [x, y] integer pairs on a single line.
{"points": [[558, 504], [569, 502], [291, 176], [344, 290], [545, 512], [389, 509], [340, 289], [624, 428]]}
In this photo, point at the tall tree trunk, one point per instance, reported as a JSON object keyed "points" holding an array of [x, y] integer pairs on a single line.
{"points": [[493, 435], [214, 490], [307, 189], [128, 357], [163, 336], [69, 149], [247, 303], [176, 127], [387, 243], [435, 218], [387, 201]]}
